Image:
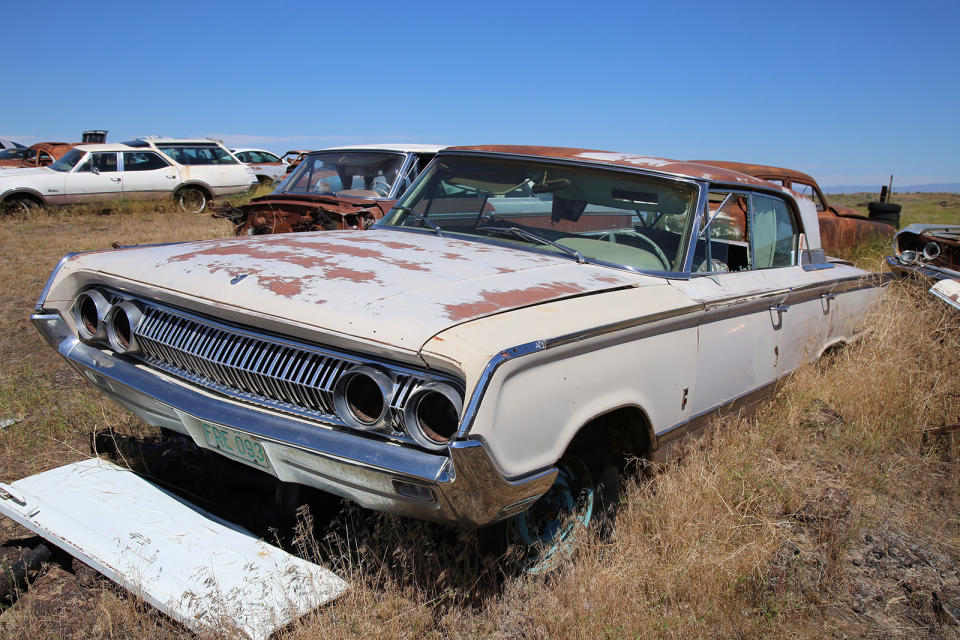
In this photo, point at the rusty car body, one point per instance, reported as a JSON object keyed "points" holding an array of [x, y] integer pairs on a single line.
{"points": [[293, 158], [931, 252], [522, 322], [43, 154], [12, 156], [841, 228], [338, 188]]}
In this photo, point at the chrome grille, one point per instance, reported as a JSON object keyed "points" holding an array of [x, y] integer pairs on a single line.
{"points": [[256, 368]]}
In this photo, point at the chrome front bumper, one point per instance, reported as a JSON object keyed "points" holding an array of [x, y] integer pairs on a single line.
{"points": [[461, 486]]}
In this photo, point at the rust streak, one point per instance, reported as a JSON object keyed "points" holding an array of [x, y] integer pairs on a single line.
{"points": [[493, 301]]}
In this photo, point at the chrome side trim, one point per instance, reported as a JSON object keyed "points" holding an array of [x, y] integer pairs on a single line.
{"points": [[707, 312]]}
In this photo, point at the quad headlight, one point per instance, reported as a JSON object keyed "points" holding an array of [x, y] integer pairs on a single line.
{"points": [[122, 325], [90, 311], [432, 414]]}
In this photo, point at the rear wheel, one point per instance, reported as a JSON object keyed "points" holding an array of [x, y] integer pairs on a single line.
{"points": [[586, 491], [192, 200]]}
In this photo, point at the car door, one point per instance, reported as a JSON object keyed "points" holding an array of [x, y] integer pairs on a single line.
{"points": [[740, 333], [805, 314], [146, 176], [97, 178]]}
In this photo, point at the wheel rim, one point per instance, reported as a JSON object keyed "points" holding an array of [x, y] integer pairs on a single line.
{"points": [[192, 201], [17, 207], [548, 529]]}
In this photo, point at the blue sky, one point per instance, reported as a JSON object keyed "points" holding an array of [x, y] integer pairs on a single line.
{"points": [[847, 91]]}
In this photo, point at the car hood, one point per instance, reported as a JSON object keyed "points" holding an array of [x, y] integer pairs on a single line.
{"points": [[390, 287], [27, 171]]}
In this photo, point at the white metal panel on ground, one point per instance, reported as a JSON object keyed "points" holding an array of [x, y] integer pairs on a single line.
{"points": [[199, 569]]}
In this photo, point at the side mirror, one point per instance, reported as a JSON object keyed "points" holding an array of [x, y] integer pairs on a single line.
{"points": [[95, 170]]}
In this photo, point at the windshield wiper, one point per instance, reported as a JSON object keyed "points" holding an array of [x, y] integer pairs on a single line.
{"points": [[422, 218], [529, 235]]}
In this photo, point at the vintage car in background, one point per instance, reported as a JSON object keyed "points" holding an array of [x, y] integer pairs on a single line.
{"points": [[12, 157], [9, 144], [190, 171], [522, 323], [266, 166], [841, 228], [930, 251], [43, 154], [338, 188], [293, 158]]}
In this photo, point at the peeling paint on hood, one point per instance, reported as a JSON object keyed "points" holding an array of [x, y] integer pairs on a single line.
{"points": [[391, 287]]}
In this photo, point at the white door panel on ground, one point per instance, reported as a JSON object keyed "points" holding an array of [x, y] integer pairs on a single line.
{"points": [[207, 573]]}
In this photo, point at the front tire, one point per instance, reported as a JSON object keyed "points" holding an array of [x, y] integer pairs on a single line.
{"points": [[587, 490], [192, 200], [18, 206]]}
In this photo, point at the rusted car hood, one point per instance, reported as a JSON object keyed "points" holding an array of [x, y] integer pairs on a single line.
{"points": [[390, 287]]}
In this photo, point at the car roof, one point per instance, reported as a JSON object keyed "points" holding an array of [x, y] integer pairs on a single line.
{"points": [[242, 149], [680, 168], [758, 170], [390, 146]]}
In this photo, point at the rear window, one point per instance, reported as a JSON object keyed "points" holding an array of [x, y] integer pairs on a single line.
{"points": [[197, 154]]}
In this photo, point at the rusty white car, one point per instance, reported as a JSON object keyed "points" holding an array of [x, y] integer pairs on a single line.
{"points": [[191, 171], [524, 321]]}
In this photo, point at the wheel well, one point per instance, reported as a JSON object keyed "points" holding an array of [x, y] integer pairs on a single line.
{"points": [[626, 431], [832, 349], [24, 195], [193, 185]]}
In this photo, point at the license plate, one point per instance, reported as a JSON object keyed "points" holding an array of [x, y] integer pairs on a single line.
{"points": [[235, 444]]}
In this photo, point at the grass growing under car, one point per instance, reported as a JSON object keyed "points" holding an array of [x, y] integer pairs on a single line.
{"points": [[833, 512]]}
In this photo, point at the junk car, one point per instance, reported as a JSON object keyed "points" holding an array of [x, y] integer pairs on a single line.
{"points": [[524, 321], [190, 171], [338, 188], [266, 166], [841, 228], [931, 252]]}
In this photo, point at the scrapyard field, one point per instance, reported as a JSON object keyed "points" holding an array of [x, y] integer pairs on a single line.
{"points": [[832, 512]]}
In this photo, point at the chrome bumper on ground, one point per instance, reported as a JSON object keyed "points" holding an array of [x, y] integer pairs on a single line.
{"points": [[461, 486]]}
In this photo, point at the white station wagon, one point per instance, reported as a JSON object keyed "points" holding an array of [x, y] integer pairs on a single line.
{"points": [[522, 322], [192, 171]]}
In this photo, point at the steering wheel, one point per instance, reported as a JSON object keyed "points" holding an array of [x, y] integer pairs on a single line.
{"points": [[381, 188], [611, 236]]}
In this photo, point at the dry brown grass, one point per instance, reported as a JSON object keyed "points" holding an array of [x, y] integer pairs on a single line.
{"points": [[770, 528]]}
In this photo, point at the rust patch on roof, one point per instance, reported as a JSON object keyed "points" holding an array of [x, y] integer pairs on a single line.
{"points": [[493, 301]]}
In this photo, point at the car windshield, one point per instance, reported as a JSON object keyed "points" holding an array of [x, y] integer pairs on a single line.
{"points": [[200, 154], [606, 215], [68, 161], [365, 174], [12, 154]]}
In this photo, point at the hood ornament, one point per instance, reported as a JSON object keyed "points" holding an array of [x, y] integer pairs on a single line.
{"points": [[237, 279]]}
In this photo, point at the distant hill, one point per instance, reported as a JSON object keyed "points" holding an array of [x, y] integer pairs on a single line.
{"points": [[937, 187]]}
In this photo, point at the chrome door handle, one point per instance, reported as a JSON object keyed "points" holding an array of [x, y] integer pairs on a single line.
{"points": [[828, 296], [115, 179], [780, 308], [172, 177]]}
